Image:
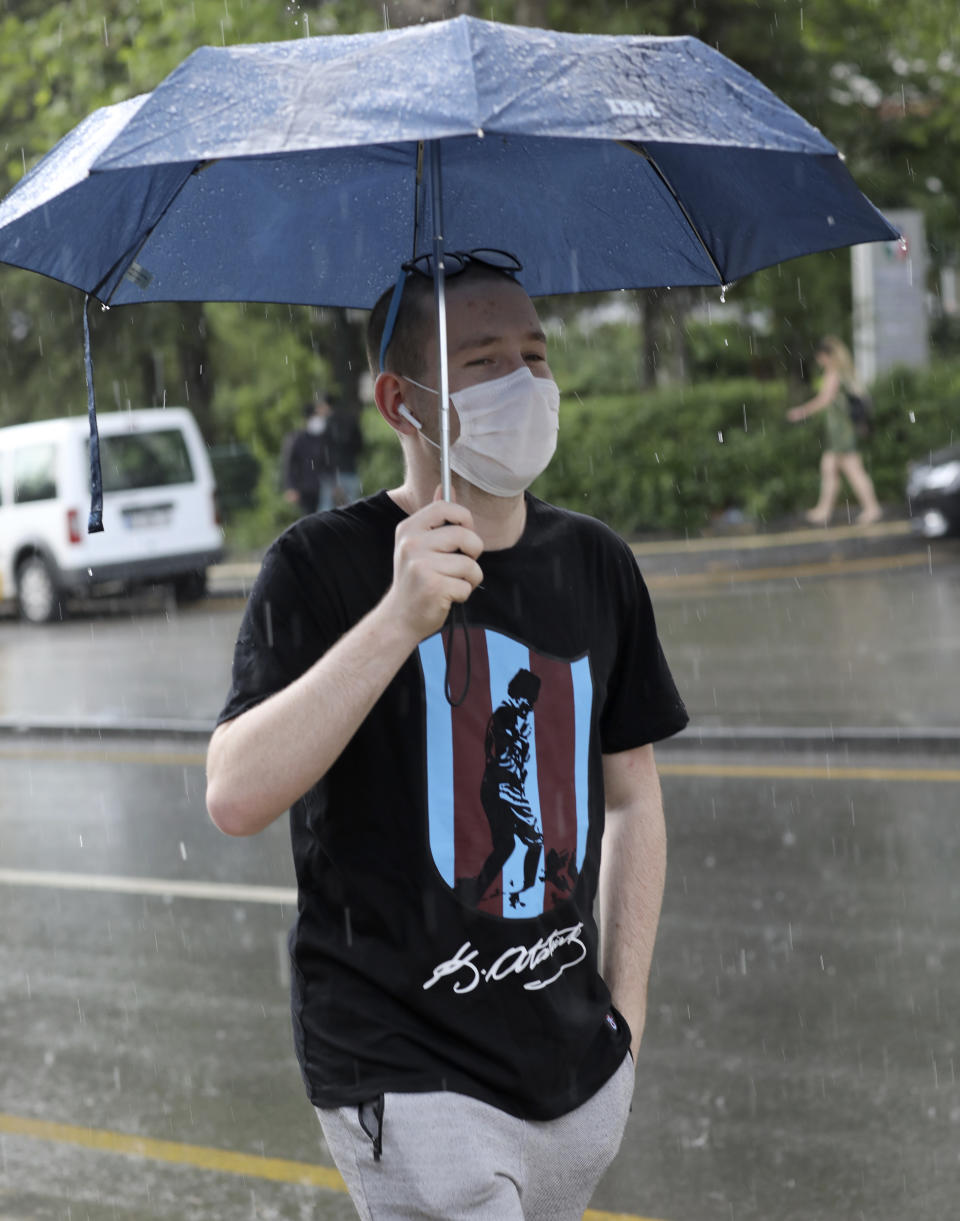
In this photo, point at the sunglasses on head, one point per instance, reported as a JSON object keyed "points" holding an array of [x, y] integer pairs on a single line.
{"points": [[454, 261]]}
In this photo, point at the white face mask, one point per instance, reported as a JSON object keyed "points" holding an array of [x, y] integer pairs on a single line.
{"points": [[508, 431]]}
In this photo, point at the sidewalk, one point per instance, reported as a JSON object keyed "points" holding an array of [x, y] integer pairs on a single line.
{"points": [[773, 645], [717, 651]]}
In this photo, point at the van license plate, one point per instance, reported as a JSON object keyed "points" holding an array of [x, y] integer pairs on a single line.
{"points": [[145, 517]]}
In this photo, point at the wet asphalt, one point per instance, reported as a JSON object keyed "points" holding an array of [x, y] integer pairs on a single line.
{"points": [[801, 1054]]}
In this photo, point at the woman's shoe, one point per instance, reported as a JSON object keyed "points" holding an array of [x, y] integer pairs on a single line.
{"points": [[869, 516], [815, 518]]}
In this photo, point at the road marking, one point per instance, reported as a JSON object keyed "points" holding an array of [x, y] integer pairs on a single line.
{"points": [[204, 1157], [664, 582], [776, 771], [228, 892]]}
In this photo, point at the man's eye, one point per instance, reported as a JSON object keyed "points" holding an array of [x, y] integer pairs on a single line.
{"points": [[535, 356]]}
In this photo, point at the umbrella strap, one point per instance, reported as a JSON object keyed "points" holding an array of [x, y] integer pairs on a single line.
{"points": [[391, 319], [95, 520], [457, 618]]}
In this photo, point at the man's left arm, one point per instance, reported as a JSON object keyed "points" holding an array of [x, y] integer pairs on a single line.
{"points": [[632, 873]]}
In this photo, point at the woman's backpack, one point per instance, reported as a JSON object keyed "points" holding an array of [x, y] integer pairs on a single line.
{"points": [[860, 407]]}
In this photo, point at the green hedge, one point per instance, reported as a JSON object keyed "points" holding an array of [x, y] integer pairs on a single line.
{"points": [[675, 459]]}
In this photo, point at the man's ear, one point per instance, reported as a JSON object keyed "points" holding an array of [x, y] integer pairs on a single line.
{"points": [[388, 395]]}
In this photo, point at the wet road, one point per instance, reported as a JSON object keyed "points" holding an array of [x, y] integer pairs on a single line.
{"points": [[801, 1052]]}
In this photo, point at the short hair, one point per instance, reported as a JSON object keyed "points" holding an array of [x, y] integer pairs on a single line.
{"points": [[525, 685], [405, 350]]}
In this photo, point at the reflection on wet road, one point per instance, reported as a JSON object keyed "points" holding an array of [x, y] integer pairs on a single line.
{"points": [[801, 1052], [799, 1059]]}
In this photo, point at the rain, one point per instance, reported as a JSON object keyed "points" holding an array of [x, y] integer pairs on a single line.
{"points": [[800, 1052]]}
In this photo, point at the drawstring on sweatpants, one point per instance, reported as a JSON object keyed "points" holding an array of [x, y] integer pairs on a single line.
{"points": [[377, 1137], [95, 520]]}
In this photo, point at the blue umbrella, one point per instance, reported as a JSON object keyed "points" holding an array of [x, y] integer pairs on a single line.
{"points": [[308, 171]]}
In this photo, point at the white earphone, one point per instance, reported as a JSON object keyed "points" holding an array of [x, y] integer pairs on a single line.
{"points": [[409, 416]]}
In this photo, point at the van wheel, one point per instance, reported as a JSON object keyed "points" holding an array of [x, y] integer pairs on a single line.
{"points": [[190, 587], [37, 595]]}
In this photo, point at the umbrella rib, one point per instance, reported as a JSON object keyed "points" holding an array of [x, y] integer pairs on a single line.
{"points": [[633, 147], [130, 254]]}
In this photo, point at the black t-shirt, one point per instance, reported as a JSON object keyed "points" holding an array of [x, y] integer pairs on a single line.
{"points": [[447, 863]]}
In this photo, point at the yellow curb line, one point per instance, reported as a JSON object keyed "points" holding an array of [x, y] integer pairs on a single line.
{"points": [[762, 542], [735, 576], [717, 770], [203, 1157], [799, 772]]}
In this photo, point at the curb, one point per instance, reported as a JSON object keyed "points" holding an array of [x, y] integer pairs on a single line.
{"points": [[930, 739], [131, 729], [718, 554]]}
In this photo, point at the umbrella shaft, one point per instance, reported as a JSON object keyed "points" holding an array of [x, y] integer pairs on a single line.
{"points": [[440, 301]]}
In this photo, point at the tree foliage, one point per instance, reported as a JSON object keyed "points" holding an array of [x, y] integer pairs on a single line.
{"points": [[882, 81]]}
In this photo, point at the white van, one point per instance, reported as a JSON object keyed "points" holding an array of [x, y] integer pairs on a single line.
{"points": [[159, 508]]}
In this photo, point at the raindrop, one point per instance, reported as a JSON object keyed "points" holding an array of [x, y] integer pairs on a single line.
{"points": [[183, 851]]}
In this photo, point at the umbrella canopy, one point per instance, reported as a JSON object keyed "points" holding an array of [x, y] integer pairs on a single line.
{"points": [[295, 171]]}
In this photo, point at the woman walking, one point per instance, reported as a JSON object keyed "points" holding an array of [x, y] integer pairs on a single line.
{"points": [[839, 436]]}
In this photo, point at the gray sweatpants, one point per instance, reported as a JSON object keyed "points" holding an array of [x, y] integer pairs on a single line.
{"points": [[447, 1157]]}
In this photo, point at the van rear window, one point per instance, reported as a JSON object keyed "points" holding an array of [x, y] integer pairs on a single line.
{"points": [[144, 460]]}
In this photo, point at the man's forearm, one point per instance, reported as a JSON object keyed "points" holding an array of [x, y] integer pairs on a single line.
{"points": [[632, 874], [265, 759]]}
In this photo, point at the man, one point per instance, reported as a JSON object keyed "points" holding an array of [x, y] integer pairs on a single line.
{"points": [[467, 1058]]}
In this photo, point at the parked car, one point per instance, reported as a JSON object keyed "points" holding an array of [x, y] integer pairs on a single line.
{"points": [[160, 520], [933, 493]]}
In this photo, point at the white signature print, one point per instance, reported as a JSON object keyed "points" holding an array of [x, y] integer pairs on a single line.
{"points": [[514, 961]]}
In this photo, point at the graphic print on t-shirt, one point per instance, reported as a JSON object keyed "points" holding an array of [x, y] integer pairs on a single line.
{"points": [[506, 772]]}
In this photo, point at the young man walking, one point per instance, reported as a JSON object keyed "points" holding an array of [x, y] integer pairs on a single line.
{"points": [[467, 1046]]}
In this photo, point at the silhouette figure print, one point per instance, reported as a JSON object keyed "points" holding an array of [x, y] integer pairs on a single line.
{"points": [[503, 790]]}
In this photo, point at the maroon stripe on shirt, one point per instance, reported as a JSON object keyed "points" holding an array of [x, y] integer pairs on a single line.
{"points": [[472, 843]]}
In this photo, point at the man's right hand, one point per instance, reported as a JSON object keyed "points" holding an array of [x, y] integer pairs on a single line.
{"points": [[434, 565]]}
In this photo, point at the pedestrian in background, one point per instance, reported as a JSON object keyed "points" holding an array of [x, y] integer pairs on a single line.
{"points": [[340, 485], [838, 385], [308, 458]]}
